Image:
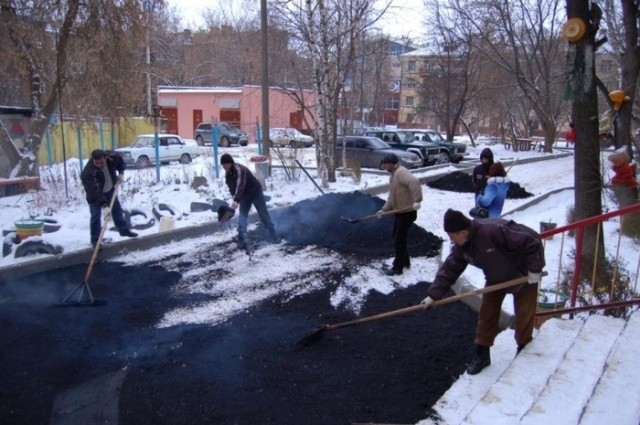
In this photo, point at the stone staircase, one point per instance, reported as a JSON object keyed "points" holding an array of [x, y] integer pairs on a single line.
{"points": [[573, 372]]}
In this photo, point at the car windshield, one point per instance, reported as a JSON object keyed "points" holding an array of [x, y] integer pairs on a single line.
{"points": [[227, 127], [435, 136], [405, 136], [142, 142], [376, 143]]}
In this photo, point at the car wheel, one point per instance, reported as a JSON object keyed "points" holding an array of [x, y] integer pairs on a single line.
{"points": [[444, 158], [185, 158], [224, 141], [143, 162], [36, 247], [199, 141]]}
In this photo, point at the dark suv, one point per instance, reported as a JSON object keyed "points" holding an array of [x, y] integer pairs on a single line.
{"points": [[227, 134], [455, 151], [430, 152]]}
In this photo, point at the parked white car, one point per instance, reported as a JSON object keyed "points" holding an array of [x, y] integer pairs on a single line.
{"points": [[289, 137], [142, 152]]}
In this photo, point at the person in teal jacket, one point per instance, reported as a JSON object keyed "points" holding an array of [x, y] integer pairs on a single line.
{"points": [[495, 192]]}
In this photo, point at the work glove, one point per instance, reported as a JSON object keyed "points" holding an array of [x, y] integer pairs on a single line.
{"points": [[234, 205], [534, 278], [379, 215], [106, 212], [120, 177], [427, 302], [416, 206]]}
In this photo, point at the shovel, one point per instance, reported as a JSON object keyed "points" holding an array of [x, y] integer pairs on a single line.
{"points": [[372, 216], [316, 335], [83, 286]]}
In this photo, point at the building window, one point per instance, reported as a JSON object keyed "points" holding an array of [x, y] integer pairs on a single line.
{"points": [[410, 117], [494, 123], [392, 103], [409, 101], [411, 66], [411, 83]]}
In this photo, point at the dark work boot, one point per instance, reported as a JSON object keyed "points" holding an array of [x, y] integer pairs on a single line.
{"points": [[128, 233], [481, 360]]}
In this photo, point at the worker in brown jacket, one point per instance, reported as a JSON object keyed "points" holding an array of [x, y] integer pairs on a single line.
{"points": [[405, 194], [503, 250]]}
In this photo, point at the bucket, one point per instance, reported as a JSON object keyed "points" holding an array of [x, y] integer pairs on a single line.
{"points": [[549, 300], [26, 228], [166, 223], [544, 226]]}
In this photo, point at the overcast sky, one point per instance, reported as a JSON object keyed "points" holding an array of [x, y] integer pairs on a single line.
{"points": [[405, 17]]}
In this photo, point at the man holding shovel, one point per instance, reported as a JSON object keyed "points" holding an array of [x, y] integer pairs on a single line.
{"points": [[99, 179], [503, 250], [246, 191], [405, 195]]}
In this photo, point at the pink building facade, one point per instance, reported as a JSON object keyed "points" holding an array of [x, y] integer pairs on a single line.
{"points": [[186, 107]]}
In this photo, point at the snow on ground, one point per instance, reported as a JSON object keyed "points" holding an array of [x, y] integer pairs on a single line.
{"points": [[239, 290]]}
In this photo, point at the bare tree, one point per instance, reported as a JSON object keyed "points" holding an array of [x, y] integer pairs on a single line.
{"points": [[451, 72], [624, 43], [522, 38], [98, 76], [328, 30]]}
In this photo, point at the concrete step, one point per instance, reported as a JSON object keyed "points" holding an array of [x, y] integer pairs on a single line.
{"points": [[562, 401], [518, 388], [620, 382]]}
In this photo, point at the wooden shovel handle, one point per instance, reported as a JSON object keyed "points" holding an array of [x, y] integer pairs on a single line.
{"points": [[372, 216], [448, 300]]}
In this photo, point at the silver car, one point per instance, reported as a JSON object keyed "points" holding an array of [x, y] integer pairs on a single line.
{"points": [[369, 151]]}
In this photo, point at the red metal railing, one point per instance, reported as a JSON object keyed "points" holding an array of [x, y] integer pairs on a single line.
{"points": [[578, 227]]}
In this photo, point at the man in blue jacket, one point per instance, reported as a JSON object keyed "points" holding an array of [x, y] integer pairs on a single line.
{"points": [[99, 178], [503, 250]]}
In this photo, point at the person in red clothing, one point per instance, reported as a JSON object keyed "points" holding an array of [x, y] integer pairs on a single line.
{"points": [[571, 136]]}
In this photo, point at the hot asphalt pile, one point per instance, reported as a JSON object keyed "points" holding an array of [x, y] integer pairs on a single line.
{"points": [[321, 221], [459, 181], [74, 364]]}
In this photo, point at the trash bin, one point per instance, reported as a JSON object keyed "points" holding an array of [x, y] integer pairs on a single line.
{"points": [[549, 300], [262, 169], [28, 227]]}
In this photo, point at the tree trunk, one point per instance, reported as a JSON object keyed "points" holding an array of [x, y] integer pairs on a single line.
{"points": [[588, 181]]}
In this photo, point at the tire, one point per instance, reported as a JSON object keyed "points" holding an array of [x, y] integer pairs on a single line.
{"points": [[606, 140], [36, 247], [7, 245], [185, 158], [50, 224], [143, 162], [199, 141], [148, 222], [444, 158], [224, 141], [171, 211]]}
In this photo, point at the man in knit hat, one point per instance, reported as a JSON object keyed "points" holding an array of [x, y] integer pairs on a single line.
{"points": [[503, 250], [405, 195], [246, 191]]}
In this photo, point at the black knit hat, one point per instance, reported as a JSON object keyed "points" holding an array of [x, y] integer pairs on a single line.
{"points": [[392, 158], [454, 221], [226, 159]]}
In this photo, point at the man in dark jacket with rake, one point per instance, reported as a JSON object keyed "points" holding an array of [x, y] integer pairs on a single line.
{"points": [[503, 250], [99, 178]]}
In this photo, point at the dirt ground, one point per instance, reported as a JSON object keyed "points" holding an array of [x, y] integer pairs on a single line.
{"points": [[111, 364]]}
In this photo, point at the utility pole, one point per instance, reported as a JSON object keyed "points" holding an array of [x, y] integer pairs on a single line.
{"points": [[265, 79]]}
